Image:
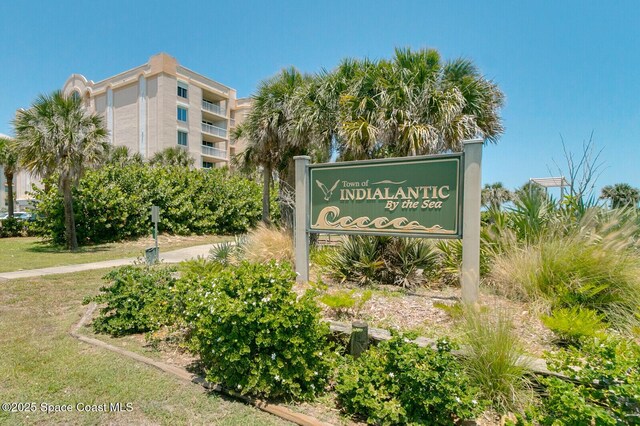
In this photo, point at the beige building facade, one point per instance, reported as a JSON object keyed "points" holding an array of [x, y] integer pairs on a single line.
{"points": [[162, 104], [154, 106]]}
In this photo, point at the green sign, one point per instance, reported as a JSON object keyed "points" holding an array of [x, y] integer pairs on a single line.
{"points": [[413, 196]]}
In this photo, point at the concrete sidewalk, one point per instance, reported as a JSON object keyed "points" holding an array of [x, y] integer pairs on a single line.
{"points": [[173, 256]]}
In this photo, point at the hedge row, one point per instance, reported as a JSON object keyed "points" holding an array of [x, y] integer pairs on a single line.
{"points": [[113, 203]]}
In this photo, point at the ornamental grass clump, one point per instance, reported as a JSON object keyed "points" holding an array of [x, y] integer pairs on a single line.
{"points": [[494, 360], [253, 334], [595, 266], [265, 243]]}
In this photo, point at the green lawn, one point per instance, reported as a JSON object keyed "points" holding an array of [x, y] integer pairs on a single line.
{"points": [[40, 362], [29, 253]]}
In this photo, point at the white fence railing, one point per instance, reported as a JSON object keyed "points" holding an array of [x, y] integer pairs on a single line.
{"points": [[214, 152], [214, 130]]}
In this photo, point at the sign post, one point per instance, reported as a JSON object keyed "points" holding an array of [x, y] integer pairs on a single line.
{"points": [[152, 254], [435, 196], [301, 236], [470, 272]]}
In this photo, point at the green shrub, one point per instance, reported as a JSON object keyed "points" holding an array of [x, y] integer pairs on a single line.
{"points": [[365, 260], [343, 302], [493, 361], [400, 383], [138, 299], [606, 387], [12, 227], [112, 203], [253, 334], [570, 325]]}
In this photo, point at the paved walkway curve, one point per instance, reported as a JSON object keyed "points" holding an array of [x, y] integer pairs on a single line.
{"points": [[173, 256]]}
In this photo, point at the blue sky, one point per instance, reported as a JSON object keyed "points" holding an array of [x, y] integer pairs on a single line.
{"points": [[567, 68]]}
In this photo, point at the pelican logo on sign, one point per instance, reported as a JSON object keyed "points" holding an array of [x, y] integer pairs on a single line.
{"points": [[327, 192]]}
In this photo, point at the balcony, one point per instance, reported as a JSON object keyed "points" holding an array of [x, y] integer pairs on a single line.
{"points": [[214, 130], [214, 108], [214, 152]]}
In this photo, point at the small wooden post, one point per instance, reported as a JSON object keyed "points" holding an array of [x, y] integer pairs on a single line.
{"points": [[359, 341]]}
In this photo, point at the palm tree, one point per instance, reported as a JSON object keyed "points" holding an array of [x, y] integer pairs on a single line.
{"points": [[121, 156], [494, 195], [57, 135], [173, 156], [413, 104], [9, 163], [277, 128], [621, 195]]}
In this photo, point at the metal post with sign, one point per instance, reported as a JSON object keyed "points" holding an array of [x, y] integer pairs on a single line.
{"points": [[152, 254], [435, 196]]}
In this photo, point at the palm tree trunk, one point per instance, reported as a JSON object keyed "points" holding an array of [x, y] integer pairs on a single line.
{"points": [[266, 195], [69, 220], [9, 177], [287, 190]]}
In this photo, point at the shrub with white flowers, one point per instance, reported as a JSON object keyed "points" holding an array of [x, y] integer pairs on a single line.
{"points": [[398, 382], [253, 333]]}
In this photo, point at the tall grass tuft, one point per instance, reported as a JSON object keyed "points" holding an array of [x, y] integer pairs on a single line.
{"points": [[263, 244], [494, 361], [596, 266]]}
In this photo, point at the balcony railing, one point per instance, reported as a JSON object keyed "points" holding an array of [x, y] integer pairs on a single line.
{"points": [[214, 152], [214, 130], [211, 107]]}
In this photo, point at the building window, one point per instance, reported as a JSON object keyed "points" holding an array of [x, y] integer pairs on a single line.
{"points": [[182, 138], [207, 165], [182, 114], [182, 90]]}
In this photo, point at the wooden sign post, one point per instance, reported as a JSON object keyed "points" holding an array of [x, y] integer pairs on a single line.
{"points": [[435, 196]]}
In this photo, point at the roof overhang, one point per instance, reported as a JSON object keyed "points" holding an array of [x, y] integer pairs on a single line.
{"points": [[550, 182]]}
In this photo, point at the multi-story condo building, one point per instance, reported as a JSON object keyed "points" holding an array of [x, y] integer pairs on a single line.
{"points": [[158, 105], [162, 104]]}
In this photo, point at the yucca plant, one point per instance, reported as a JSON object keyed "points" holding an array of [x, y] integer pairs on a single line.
{"points": [[222, 253], [408, 261], [357, 259], [387, 260]]}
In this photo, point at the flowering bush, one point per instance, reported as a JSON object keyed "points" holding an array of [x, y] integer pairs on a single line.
{"points": [[253, 334], [400, 383], [605, 388], [139, 299]]}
